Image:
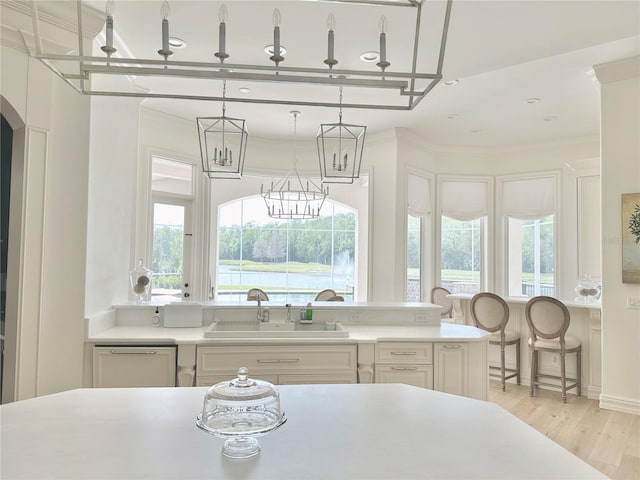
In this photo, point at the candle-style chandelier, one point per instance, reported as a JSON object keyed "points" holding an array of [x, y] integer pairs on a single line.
{"points": [[340, 147], [379, 88], [291, 197], [223, 143]]}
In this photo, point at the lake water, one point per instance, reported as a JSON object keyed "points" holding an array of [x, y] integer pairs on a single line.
{"points": [[276, 284]]}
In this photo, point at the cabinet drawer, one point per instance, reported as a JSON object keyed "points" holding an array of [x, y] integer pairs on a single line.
{"points": [[418, 375], [209, 380], [404, 352], [276, 359], [290, 379]]}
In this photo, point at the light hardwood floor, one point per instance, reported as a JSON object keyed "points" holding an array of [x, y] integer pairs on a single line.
{"points": [[609, 441]]}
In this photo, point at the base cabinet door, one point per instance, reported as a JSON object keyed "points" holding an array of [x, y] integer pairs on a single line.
{"points": [[290, 379], [418, 375], [452, 375], [123, 366]]}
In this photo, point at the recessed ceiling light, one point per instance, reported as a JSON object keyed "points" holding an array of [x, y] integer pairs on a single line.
{"points": [[269, 50], [449, 83], [550, 118], [532, 100], [244, 90], [370, 56], [176, 42], [453, 115]]}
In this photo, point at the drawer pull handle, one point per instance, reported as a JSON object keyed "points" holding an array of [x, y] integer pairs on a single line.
{"points": [[404, 368], [451, 346], [403, 353], [137, 352], [279, 360]]}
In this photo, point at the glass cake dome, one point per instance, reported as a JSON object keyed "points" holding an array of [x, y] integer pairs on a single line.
{"points": [[240, 410]]}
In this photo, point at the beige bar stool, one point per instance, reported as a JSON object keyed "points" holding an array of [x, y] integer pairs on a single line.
{"points": [[335, 298], [324, 295], [257, 294], [439, 297], [491, 313], [548, 320]]}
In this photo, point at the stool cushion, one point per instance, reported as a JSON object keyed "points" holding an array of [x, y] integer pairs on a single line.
{"points": [[508, 336], [570, 342]]}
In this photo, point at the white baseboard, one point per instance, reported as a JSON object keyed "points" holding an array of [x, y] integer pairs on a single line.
{"points": [[594, 392], [619, 404]]}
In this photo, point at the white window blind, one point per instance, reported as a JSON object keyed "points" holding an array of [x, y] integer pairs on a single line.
{"points": [[463, 200], [418, 196], [529, 198]]}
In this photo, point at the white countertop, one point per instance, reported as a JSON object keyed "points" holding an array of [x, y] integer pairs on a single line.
{"points": [[252, 304], [357, 334], [381, 431]]}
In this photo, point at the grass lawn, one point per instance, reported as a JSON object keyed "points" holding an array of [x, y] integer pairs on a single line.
{"points": [[291, 267]]}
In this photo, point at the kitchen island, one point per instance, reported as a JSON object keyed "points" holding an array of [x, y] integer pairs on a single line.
{"points": [[350, 432]]}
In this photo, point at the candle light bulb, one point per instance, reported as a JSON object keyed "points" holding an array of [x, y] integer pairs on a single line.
{"points": [[277, 18], [223, 14], [382, 25], [383, 41], [109, 8], [165, 10], [222, 31], [331, 22]]}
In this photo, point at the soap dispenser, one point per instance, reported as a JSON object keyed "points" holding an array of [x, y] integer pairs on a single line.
{"points": [[306, 314]]}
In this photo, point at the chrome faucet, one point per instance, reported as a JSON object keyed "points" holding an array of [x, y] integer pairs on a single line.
{"points": [[288, 305], [260, 311]]}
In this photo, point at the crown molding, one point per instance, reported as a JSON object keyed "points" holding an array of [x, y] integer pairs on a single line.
{"points": [[624, 69], [59, 18]]}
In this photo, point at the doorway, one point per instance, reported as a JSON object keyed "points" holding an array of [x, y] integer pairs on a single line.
{"points": [[6, 147]]}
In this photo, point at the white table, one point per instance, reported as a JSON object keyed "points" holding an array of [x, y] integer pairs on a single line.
{"points": [[333, 432]]}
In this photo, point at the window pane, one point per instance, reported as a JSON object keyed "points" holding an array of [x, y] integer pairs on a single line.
{"points": [[531, 257], [461, 255], [414, 247], [170, 176], [168, 249], [291, 260]]}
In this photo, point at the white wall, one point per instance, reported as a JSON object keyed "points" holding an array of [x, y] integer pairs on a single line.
{"points": [[45, 308], [111, 201], [620, 124]]}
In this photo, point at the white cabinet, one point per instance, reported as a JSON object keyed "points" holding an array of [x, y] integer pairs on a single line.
{"points": [[459, 368], [404, 362], [278, 364], [125, 366], [451, 368]]}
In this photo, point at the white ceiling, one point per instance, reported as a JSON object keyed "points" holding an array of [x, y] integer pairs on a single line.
{"points": [[503, 52]]}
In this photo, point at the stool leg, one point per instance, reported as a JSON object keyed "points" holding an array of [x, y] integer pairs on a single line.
{"points": [[502, 366], [518, 362], [563, 377], [579, 370], [533, 371]]}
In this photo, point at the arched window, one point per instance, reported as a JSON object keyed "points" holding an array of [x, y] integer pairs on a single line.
{"points": [[291, 260]]}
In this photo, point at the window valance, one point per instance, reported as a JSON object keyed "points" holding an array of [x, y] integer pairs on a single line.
{"points": [[418, 195], [464, 200], [529, 198]]}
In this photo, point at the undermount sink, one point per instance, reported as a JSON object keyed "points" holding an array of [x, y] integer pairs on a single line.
{"points": [[275, 330]]}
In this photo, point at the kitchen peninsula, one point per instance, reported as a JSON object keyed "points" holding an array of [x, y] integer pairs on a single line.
{"points": [[384, 343], [585, 324]]}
